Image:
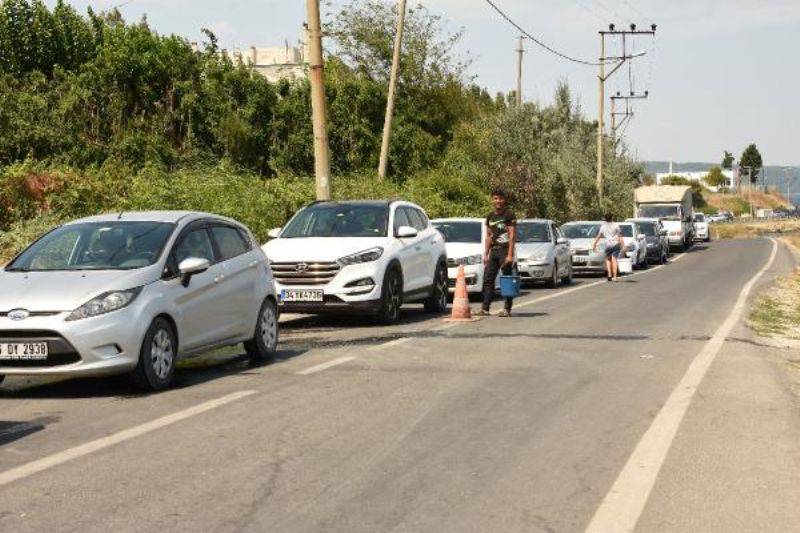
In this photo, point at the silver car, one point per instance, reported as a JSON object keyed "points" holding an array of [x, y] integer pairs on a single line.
{"points": [[581, 235], [543, 254], [134, 292]]}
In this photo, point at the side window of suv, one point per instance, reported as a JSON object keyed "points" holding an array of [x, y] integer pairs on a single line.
{"points": [[416, 218], [229, 242], [400, 219]]}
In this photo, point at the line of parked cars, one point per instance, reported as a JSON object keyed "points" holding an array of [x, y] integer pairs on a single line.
{"points": [[136, 292]]}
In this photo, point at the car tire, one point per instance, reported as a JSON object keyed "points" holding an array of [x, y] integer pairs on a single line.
{"points": [[391, 297], [2, 378], [156, 367], [437, 301], [262, 347], [552, 283], [567, 280]]}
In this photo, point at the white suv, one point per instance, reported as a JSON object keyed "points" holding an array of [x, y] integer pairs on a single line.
{"points": [[359, 256]]}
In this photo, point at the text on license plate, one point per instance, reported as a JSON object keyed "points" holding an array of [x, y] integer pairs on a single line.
{"points": [[580, 259], [301, 295], [23, 351]]}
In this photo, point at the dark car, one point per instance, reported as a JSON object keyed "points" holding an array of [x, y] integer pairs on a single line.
{"points": [[656, 236]]}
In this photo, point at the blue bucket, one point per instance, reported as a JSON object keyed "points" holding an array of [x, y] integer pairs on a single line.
{"points": [[509, 286]]}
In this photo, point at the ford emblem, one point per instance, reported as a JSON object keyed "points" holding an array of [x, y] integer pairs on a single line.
{"points": [[19, 314]]}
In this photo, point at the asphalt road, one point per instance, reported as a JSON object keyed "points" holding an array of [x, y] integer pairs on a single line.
{"points": [[600, 405]]}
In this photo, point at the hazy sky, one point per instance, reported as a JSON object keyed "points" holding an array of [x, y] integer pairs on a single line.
{"points": [[721, 73]]}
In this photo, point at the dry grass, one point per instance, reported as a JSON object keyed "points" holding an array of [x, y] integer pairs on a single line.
{"points": [[740, 203], [776, 312], [755, 228]]}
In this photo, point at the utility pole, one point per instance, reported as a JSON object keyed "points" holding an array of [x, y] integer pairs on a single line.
{"points": [[316, 75], [520, 50], [617, 62], [387, 123]]}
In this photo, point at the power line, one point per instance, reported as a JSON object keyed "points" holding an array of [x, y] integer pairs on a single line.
{"points": [[537, 41]]}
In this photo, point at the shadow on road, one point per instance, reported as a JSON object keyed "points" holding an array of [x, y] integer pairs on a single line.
{"points": [[11, 430]]}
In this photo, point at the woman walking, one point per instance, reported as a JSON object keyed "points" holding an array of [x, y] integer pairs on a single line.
{"points": [[612, 239]]}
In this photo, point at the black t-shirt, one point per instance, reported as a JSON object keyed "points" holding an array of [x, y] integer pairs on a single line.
{"points": [[498, 224]]}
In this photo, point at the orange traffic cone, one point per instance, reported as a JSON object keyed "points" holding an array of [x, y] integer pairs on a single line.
{"points": [[461, 310]]}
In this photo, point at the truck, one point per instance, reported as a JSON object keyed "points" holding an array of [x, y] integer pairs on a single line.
{"points": [[672, 204]]}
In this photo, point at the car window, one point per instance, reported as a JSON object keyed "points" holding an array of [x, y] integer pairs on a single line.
{"points": [[423, 217], [400, 218], [229, 242], [626, 230], [416, 218], [339, 220], [197, 244]]}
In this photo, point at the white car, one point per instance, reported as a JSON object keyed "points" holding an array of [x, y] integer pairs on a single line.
{"points": [[543, 254], [581, 235], [701, 232], [465, 240], [635, 244], [135, 292], [359, 256]]}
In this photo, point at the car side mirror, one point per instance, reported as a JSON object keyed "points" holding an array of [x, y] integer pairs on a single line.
{"points": [[274, 233], [191, 266], [405, 232], [562, 240]]}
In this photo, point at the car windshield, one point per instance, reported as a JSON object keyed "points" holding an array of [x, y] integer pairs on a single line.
{"points": [[700, 217], [648, 228], [626, 230], [580, 231], [659, 211], [339, 220], [532, 232], [96, 246], [465, 232]]}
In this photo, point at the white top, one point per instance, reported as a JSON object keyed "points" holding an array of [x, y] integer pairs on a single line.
{"points": [[609, 231]]}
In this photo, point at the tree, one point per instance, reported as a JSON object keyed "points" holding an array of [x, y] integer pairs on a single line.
{"points": [[751, 159], [715, 177], [727, 160]]}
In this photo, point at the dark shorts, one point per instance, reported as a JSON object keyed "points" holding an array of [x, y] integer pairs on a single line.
{"points": [[612, 251]]}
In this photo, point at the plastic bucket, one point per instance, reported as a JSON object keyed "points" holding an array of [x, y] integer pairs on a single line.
{"points": [[509, 286]]}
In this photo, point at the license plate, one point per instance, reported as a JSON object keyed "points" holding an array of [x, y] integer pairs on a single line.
{"points": [[301, 295], [23, 351], [579, 259]]}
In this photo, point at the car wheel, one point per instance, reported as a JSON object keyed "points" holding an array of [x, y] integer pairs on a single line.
{"points": [[437, 301], [391, 298], [156, 366], [264, 343], [567, 280], [553, 281], [2, 378]]}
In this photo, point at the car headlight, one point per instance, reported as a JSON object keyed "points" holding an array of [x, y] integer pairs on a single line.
{"points": [[105, 303], [470, 260], [366, 256]]}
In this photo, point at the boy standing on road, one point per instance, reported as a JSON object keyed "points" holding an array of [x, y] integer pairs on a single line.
{"points": [[612, 238], [501, 238]]}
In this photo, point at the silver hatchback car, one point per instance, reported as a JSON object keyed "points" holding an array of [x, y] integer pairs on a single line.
{"points": [[134, 292]]}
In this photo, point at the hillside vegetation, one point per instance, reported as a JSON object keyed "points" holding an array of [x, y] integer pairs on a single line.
{"points": [[99, 114]]}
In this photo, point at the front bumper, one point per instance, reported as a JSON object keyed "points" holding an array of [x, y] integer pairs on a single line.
{"points": [[539, 271], [654, 252], [592, 262], [337, 296], [473, 275], [102, 345], [701, 234]]}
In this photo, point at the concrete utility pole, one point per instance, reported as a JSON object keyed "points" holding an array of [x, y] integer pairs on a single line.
{"points": [[316, 75], [520, 50], [387, 123], [617, 63]]}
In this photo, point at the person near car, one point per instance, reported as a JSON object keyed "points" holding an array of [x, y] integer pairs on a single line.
{"points": [[501, 238], [611, 235]]}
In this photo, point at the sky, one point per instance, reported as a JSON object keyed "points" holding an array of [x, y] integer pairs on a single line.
{"points": [[720, 73]]}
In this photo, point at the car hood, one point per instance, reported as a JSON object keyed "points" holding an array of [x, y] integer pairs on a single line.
{"points": [[582, 244], [318, 248], [64, 291], [457, 250], [528, 249]]}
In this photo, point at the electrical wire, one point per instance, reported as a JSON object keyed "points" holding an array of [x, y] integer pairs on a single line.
{"points": [[537, 41]]}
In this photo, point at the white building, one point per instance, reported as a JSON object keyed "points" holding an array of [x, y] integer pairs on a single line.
{"points": [[274, 63], [698, 177]]}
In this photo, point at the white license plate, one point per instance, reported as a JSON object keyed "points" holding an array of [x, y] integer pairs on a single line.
{"points": [[23, 351], [580, 259], [302, 295]]}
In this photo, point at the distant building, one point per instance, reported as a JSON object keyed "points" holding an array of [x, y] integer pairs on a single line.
{"points": [[698, 177], [274, 63]]}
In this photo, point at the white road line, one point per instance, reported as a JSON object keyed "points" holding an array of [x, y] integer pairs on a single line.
{"points": [[623, 505], [76, 452], [324, 366]]}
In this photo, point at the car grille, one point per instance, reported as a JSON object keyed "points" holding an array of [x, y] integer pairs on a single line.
{"points": [[581, 252], [300, 273], [61, 352], [451, 263]]}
